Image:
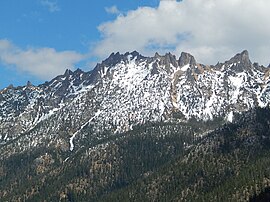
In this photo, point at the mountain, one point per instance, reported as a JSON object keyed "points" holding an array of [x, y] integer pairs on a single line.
{"points": [[97, 132], [130, 89]]}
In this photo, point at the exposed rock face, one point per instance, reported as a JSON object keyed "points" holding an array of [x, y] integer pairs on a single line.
{"points": [[241, 62], [186, 59]]}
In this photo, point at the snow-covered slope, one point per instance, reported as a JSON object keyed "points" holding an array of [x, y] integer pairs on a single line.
{"points": [[127, 90]]}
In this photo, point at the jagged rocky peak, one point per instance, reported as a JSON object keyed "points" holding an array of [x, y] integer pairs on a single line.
{"points": [[185, 59], [134, 54], [68, 72], [114, 59], [10, 87], [29, 84], [261, 68], [79, 71], [74, 74], [167, 59], [240, 62], [242, 57], [157, 55]]}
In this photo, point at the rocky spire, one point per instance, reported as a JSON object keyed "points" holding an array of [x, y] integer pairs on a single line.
{"points": [[185, 59], [242, 57], [157, 55], [29, 84], [167, 60], [134, 54], [68, 72], [78, 71], [10, 86], [241, 62], [170, 59], [113, 59]]}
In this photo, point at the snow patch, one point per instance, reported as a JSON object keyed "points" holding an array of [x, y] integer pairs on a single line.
{"points": [[185, 68], [237, 82], [230, 117], [71, 142], [73, 136]]}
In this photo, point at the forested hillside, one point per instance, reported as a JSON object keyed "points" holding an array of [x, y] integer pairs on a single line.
{"points": [[230, 164], [154, 162]]}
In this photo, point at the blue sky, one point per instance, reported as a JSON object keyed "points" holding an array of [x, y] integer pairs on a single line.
{"points": [[39, 39], [62, 25]]}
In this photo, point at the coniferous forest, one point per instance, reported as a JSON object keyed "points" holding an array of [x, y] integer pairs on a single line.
{"points": [[153, 162]]}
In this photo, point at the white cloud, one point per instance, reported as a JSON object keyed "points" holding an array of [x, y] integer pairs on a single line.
{"points": [[212, 30], [51, 5], [44, 63], [112, 10]]}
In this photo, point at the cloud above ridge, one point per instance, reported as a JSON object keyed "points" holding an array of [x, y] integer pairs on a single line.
{"points": [[211, 30], [43, 63]]}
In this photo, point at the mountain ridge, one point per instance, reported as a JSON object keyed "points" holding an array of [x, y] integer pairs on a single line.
{"points": [[129, 89], [114, 58]]}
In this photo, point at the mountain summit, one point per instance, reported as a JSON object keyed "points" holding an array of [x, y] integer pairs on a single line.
{"points": [[186, 59]]}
